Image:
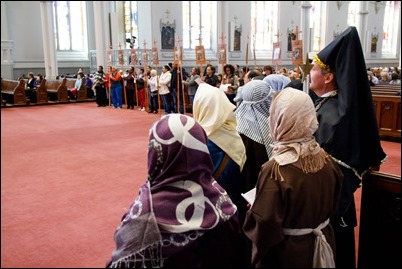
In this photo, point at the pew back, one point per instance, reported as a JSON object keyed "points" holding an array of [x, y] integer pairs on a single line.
{"points": [[13, 91], [380, 219], [57, 90]]}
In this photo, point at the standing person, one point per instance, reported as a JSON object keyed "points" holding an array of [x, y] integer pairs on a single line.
{"points": [[99, 87], [130, 80], [176, 88], [116, 88], [347, 128], [141, 88], [153, 90], [182, 218], [297, 191], [192, 84], [230, 79], [252, 116], [214, 112], [164, 82]]}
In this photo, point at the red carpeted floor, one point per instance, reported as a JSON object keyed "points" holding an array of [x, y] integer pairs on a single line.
{"points": [[68, 173]]}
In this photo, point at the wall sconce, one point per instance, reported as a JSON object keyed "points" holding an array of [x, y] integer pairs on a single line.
{"points": [[377, 6], [339, 4]]}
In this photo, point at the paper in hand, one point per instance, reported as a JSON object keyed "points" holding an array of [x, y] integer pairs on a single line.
{"points": [[249, 196]]}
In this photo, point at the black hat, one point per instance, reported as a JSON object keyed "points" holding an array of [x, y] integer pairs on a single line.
{"points": [[344, 46]]}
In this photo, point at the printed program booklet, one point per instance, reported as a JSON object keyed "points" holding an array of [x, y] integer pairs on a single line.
{"points": [[249, 196]]}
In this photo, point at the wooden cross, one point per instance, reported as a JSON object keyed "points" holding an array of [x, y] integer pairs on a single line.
{"points": [[297, 32], [178, 40], [199, 39], [277, 35], [222, 38]]}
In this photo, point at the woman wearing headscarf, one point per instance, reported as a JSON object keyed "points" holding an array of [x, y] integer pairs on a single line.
{"points": [[182, 217], [297, 191], [252, 115], [214, 112], [277, 82]]}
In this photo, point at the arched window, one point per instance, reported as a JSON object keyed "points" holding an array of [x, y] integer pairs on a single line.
{"points": [[199, 19], [317, 20], [70, 26], [130, 22], [264, 25], [352, 13], [390, 29]]}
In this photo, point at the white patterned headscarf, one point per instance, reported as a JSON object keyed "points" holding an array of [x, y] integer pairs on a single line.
{"points": [[293, 121], [214, 112], [252, 114], [179, 202]]}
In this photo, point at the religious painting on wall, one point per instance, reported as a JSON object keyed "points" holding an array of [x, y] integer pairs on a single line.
{"points": [[374, 40], [167, 37], [276, 54], [291, 37], [234, 37], [297, 52]]}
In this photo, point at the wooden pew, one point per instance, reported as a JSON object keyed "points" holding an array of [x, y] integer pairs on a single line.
{"points": [[380, 221], [386, 89], [13, 91], [388, 115], [41, 93], [57, 90], [82, 91]]}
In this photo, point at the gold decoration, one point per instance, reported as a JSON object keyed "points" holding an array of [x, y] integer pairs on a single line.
{"points": [[320, 63], [306, 68]]}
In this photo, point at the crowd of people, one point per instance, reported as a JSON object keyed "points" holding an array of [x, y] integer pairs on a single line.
{"points": [[304, 157]]}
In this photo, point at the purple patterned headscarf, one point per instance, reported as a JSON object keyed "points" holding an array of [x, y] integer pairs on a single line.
{"points": [[180, 200]]}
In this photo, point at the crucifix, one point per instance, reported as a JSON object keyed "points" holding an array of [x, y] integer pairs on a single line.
{"points": [[278, 34], [297, 32], [167, 15]]}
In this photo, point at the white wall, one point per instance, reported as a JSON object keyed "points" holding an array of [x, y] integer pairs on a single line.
{"points": [[22, 25]]}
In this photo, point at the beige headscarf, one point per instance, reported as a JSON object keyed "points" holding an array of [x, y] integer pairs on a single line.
{"points": [[214, 112], [293, 122]]}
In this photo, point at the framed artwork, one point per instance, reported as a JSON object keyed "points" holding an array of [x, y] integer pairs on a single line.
{"points": [[121, 57], [145, 57], [155, 56], [133, 57], [276, 53], [297, 52], [200, 54], [167, 37], [178, 55]]}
